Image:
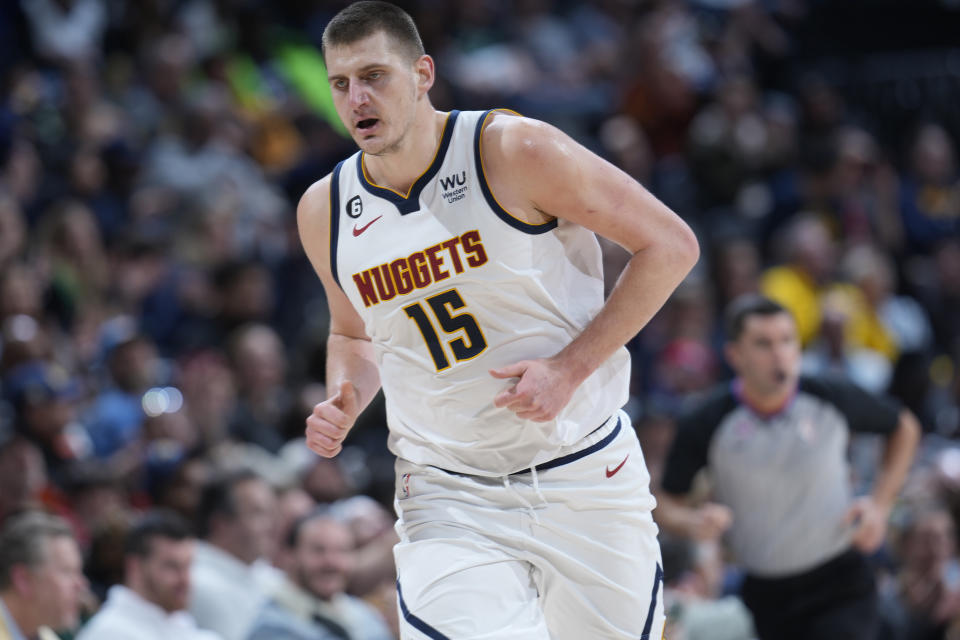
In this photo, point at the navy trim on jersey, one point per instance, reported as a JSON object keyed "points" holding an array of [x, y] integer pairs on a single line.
{"points": [[502, 213], [416, 622], [653, 603], [411, 202], [335, 220], [576, 455]]}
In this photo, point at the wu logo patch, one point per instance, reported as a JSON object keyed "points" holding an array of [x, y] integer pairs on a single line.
{"points": [[454, 181], [454, 187], [354, 207]]}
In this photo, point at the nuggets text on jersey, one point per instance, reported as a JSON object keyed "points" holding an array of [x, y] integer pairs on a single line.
{"points": [[420, 269]]}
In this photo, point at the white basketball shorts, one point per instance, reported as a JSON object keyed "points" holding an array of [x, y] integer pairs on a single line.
{"points": [[567, 551]]}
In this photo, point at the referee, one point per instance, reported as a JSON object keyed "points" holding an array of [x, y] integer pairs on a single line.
{"points": [[774, 445]]}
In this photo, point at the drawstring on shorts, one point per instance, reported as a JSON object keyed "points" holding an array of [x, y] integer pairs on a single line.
{"points": [[536, 487]]}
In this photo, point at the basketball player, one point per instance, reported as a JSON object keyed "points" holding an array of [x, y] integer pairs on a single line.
{"points": [[463, 275]]}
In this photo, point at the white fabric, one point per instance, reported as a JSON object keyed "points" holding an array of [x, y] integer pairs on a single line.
{"points": [[569, 555], [127, 616], [226, 594], [8, 624], [529, 293]]}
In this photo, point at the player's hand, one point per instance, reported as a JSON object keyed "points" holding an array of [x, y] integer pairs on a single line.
{"points": [[869, 521], [542, 390], [710, 520], [331, 420]]}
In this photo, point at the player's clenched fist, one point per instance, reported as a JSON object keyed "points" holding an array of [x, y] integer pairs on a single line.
{"points": [[331, 420]]}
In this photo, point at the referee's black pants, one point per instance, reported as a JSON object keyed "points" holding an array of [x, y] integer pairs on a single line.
{"points": [[836, 600]]}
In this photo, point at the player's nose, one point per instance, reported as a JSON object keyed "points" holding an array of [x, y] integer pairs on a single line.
{"points": [[358, 95]]}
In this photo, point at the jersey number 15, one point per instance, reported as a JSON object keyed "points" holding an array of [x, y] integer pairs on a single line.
{"points": [[469, 345]]}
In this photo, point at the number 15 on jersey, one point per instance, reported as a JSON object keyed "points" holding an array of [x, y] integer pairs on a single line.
{"points": [[468, 342]]}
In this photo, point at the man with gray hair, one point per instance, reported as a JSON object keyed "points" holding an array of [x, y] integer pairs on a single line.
{"points": [[41, 579]]}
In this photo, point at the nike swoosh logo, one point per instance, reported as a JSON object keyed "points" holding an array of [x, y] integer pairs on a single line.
{"points": [[358, 230], [613, 472]]}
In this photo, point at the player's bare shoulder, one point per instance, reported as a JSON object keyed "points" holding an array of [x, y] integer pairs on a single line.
{"points": [[313, 222], [511, 141], [517, 154]]}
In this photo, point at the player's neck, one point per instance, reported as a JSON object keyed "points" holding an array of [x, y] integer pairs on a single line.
{"points": [[399, 168]]}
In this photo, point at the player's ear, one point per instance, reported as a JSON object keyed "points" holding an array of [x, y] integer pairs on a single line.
{"points": [[426, 73]]}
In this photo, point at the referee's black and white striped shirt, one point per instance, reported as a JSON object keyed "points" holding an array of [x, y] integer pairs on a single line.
{"points": [[785, 475]]}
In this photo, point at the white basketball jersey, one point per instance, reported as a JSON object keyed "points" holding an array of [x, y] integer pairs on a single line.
{"points": [[449, 286]]}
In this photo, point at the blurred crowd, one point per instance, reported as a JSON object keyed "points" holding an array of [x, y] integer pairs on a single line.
{"points": [[162, 334]]}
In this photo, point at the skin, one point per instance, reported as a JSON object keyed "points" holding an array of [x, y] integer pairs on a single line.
{"points": [[49, 594], [251, 533], [766, 359], [322, 558], [163, 576], [537, 173]]}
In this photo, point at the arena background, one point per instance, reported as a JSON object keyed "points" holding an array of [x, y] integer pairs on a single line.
{"points": [[159, 322]]}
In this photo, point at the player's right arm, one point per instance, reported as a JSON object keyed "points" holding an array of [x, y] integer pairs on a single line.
{"points": [[352, 376]]}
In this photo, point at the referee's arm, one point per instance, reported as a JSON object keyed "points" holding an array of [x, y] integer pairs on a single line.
{"points": [[706, 521], [687, 456], [871, 514], [897, 458], [870, 413]]}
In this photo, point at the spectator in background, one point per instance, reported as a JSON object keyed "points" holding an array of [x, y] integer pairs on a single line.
{"points": [[861, 194], [23, 473], [774, 446], [44, 398], [865, 326], [73, 245], [180, 488], [210, 393], [245, 291], [930, 193], [13, 231], [728, 142], [152, 602], [116, 416], [260, 364], [693, 582], [21, 292], [374, 538], [942, 294], [293, 503], [736, 269], [902, 317], [66, 30], [312, 603], [810, 262], [231, 578], [923, 599], [41, 584]]}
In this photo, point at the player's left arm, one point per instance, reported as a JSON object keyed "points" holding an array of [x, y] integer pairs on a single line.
{"points": [[538, 172], [869, 514]]}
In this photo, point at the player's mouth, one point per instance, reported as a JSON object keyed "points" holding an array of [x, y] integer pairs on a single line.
{"points": [[367, 124]]}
